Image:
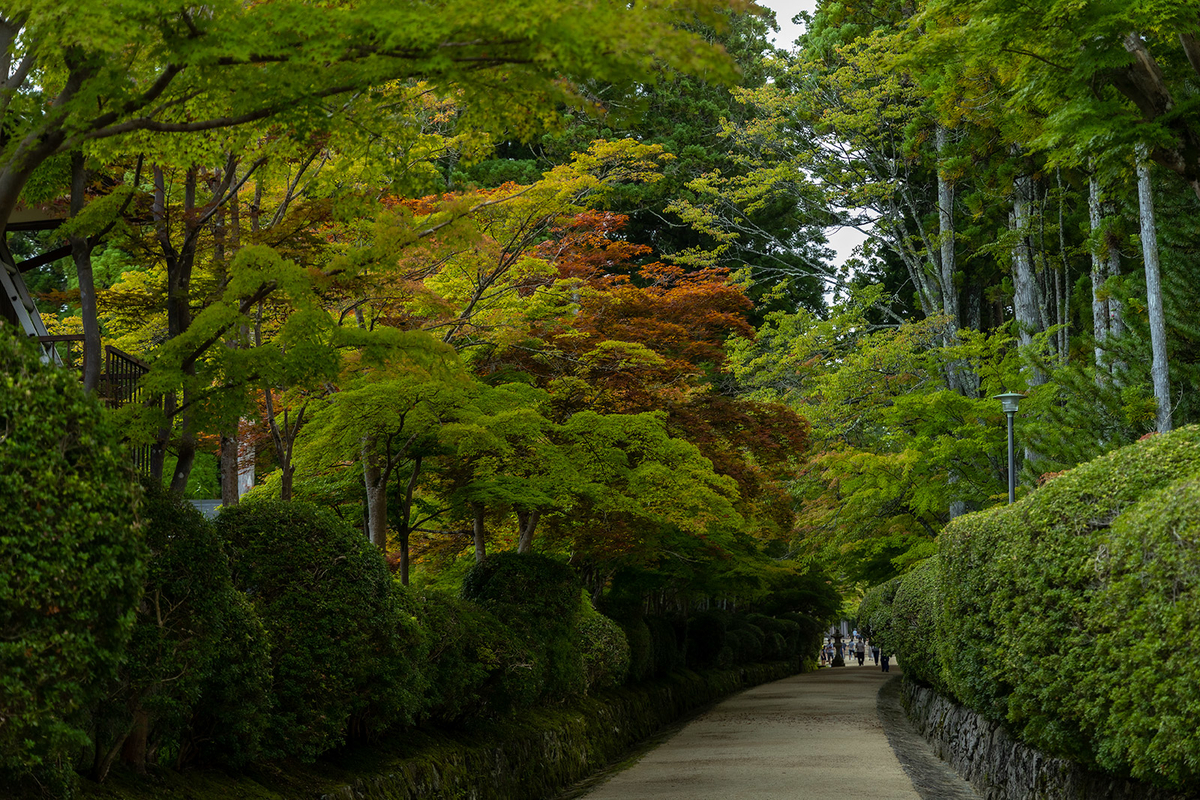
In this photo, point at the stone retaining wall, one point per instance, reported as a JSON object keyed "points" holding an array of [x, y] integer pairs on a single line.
{"points": [[542, 755], [1001, 768]]}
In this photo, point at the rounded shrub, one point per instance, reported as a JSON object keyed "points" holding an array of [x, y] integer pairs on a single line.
{"points": [[539, 599], [606, 652], [668, 645], [915, 611], [341, 641], [810, 634], [875, 615], [475, 665], [750, 646], [71, 562], [1141, 700], [192, 627], [641, 648]]}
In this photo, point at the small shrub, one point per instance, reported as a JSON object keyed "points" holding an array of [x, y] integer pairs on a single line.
{"points": [[475, 666], [875, 615], [668, 645], [606, 653], [538, 598], [191, 627]]}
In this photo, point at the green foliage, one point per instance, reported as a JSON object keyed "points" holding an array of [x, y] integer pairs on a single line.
{"points": [[72, 560], [538, 598], [606, 651], [196, 666], [914, 614], [875, 615], [1145, 617], [476, 667], [706, 634], [668, 638], [339, 632], [1069, 615]]}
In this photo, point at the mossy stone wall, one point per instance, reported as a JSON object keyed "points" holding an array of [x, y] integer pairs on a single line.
{"points": [[546, 751]]}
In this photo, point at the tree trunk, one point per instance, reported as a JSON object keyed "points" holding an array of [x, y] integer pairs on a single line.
{"points": [[1154, 299], [527, 522], [1025, 303], [946, 230], [404, 527], [81, 253], [1099, 275], [960, 377], [375, 477], [229, 470], [480, 534]]}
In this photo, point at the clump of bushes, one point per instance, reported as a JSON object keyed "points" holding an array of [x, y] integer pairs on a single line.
{"points": [[537, 598], [193, 684], [71, 565], [1069, 616], [342, 641]]}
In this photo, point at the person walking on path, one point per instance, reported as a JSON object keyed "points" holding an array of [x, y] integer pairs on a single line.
{"points": [[860, 650], [885, 663], [875, 654]]}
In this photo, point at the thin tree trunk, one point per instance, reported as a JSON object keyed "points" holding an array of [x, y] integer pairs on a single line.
{"points": [[480, 534], [179, 319], [375, 478], [1099, 273], [405, 525], [81, 252], [1154, 299], [960, 377], [1025, 304], [527, 522]]}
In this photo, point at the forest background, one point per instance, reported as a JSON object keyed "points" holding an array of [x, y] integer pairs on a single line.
{"points": [[562, 293]]}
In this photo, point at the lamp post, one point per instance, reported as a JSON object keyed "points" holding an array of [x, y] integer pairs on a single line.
{"points": [[1009, 401]]}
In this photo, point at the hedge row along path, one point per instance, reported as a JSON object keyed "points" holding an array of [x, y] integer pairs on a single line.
{"points": [[819, 736]]}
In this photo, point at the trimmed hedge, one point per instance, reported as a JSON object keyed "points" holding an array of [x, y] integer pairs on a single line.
{"points": [[538, 598], [341, 637], [72, 562], [194, 681], [1071, 616]]}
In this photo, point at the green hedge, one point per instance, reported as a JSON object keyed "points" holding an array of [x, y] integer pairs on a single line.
{"points": [[194, 681], [538, 598], [72, 561], [342, 641], [1071, 617], [875, 615]]}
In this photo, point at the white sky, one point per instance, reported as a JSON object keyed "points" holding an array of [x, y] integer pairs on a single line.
{"points": [[842, 240], [784, 11]]}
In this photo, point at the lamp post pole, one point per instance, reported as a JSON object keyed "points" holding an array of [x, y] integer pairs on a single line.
{"points": [[1009, 402]]}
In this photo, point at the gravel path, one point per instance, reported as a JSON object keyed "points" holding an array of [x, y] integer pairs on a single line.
{"points": [[818, 736]]}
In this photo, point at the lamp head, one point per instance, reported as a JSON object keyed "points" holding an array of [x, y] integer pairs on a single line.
{"points": [[1009, 401]]}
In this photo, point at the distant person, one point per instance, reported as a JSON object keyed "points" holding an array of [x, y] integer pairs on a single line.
{"points": [[885, 663], [860, 650], [875, 654]]}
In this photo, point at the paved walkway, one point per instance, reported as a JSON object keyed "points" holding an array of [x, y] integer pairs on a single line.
{"points": [[818, 736]]}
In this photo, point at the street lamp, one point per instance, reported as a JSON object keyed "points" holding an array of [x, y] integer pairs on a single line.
{"points": [[1009, 401]]}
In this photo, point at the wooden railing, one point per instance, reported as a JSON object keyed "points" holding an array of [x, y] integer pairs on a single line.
{"points": [[119, 383]]}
